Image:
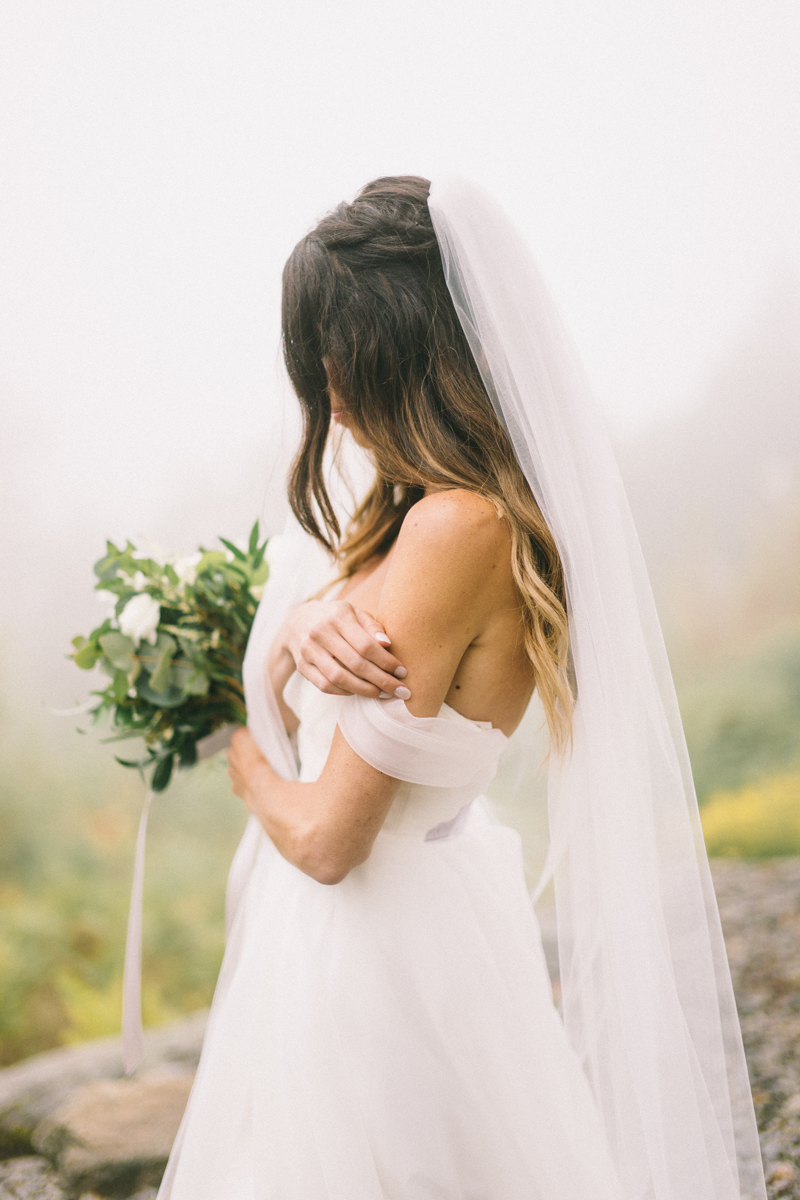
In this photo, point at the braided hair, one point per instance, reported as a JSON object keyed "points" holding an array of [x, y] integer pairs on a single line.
{"points": [[366, 307]]}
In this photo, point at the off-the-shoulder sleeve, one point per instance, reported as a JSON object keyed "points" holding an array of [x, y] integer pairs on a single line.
{"points": [[432, 751]]}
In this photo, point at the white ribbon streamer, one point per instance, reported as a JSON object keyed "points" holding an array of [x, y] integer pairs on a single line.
{"points": [[132, 1032]]}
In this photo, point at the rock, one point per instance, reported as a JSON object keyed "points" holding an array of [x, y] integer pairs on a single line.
{"points": [[29, 1179], [114, 1136], [31, 1090]]}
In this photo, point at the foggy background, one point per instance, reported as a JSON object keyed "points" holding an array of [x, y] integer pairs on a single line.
{"points": [[159, 159]]}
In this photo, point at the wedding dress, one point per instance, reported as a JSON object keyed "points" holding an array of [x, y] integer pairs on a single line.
{"points": [[392, 1037]]}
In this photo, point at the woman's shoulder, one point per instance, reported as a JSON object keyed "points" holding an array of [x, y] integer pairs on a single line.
{"points": [[457, 518]]}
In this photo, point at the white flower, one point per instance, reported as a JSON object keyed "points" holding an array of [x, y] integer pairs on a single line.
{"points": [[186, 567], [110, 601], [139, 582], [139, 618]]}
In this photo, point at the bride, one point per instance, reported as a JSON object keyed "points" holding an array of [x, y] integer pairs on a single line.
{"points": [[383, 1027]]}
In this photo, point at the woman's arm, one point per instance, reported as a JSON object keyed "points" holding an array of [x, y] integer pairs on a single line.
{"points": [[440, 589], [337, 647]]}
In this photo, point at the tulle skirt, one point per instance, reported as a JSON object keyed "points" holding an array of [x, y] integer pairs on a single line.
{"points": [[392, 1037]]}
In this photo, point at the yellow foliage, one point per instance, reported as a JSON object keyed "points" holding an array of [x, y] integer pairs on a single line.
{"points": [[759, 820], [96, 1011]]}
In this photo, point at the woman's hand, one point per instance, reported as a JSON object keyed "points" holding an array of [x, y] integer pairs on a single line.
{"points": [[342, 650], [246, 764]]}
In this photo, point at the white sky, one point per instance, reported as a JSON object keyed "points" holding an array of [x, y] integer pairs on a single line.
{"points": [[159, 158]]}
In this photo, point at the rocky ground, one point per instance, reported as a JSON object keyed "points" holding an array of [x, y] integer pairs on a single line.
{"points": [[760, 909], [71, 1128]]}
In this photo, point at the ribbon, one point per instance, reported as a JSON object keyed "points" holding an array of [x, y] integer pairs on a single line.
{"points": [[132, 1032]]}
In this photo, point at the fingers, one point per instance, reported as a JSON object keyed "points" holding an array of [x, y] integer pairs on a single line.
{"points": [[372, 626], [355, 625], [342, 671], [315, 676], [339, 652]]}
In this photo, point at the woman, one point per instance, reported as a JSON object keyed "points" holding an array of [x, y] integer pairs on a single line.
{"points": [[383, 1025]]}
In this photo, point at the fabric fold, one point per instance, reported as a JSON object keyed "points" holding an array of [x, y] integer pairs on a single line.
{"points": [[443, 751]]}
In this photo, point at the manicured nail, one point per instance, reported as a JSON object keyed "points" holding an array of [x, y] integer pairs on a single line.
{"points": [[384, 695], [383, 638], [402, 693], [400, 673]]}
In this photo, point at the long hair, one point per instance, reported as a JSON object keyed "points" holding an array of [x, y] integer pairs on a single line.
{"points": [[366, 306]]}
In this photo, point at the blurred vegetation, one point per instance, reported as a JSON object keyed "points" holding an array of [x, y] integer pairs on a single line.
{"points": [[67, 831], [742, 714], [759, 820]]}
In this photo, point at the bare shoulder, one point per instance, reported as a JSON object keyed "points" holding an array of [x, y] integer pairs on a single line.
{"points": [[457, 523], [448, 574], [452, 559]]}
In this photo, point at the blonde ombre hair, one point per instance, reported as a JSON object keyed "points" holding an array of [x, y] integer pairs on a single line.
{"points": [[366, 307]]}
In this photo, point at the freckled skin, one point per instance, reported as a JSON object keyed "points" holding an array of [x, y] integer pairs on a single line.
{"points": [[446, 596]]}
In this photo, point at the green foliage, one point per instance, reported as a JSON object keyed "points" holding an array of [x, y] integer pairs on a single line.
{"points": [[67, 833], [742, 717], [173, 648]]}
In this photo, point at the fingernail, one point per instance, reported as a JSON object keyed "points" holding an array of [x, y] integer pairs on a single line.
{"points": [[384, 695], [400, 673], [402, 693], [383, 638]]}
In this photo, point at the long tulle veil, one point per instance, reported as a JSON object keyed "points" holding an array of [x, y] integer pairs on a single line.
{"points": [[647, 997]]}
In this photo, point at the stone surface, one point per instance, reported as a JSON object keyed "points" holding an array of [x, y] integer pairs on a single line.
{"points": [[759, 904], [29, 1179], [31, 1090], [114, 1136]]}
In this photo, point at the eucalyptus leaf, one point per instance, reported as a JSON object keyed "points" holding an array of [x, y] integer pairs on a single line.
{"points": [[171, 698], [119, 685], [87, 656], [119, 650], [165, 648], [197, 684]]}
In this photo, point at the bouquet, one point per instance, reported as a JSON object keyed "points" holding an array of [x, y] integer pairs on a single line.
{"points": [[172, 646]]}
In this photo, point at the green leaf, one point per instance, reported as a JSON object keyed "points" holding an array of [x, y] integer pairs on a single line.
{"points": [[253, 544], [170, 698], [188, 754], [165, 648], [119, 650], [235, 551], [87, 656], [119, 685], [210, 560], [260, 574], [162, 773], [197, 684]]}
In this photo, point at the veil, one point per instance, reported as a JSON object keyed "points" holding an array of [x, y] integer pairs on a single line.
{"points": [[647, 998]]}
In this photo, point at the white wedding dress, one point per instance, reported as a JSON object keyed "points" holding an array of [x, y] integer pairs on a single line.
{"points": [[392, 1037]]}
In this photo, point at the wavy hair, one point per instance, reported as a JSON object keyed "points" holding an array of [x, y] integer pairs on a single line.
{"points": [[366, 307]]}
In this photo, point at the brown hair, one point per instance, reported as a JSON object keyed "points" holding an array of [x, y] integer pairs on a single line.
{"points": [[364, 295]]}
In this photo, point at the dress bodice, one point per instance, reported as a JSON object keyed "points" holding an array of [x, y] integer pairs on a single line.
{"points": [[449, 758]]}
